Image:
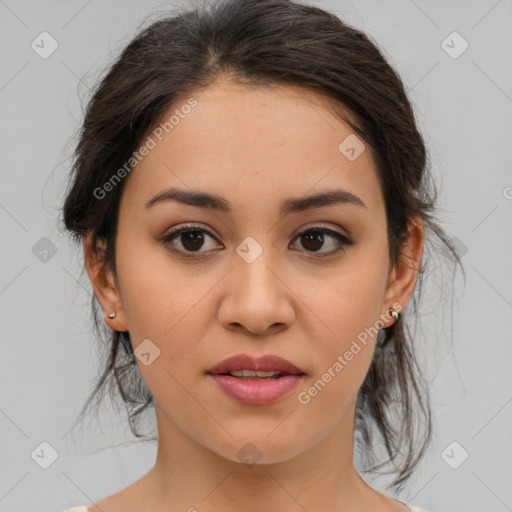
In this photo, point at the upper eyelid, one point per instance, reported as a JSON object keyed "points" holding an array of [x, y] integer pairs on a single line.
{"points": [[343, 241], [172, 234], [300, 230]]}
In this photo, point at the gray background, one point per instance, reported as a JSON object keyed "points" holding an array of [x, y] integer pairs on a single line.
{"points": [[49, 360]]}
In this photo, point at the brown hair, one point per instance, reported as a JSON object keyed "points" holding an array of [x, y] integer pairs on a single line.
{"points": [[264, 42]]}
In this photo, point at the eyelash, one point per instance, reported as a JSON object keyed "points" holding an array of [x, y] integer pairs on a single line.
{"points": [[341, 239]]}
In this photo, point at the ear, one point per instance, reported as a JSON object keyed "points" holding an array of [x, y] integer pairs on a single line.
{"points": [[104, 285], [403, 276]]}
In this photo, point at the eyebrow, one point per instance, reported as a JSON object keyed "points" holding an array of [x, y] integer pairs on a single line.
{"points": [[292, 205]]}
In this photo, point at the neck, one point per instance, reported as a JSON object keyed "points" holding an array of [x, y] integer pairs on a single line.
{"points": [[189, 476]]}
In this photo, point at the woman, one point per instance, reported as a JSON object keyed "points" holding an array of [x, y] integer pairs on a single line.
{"points": [[253, 200]]}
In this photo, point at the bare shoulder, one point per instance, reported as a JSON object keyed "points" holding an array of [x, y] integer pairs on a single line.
{"points": [[114, 503], [134, 498], [126, 500]]}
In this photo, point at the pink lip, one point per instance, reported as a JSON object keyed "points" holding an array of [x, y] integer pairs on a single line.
{"points": [[265, 363], [256, 392]]}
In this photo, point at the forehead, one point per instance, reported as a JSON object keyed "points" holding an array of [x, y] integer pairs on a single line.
{"points": [[278, 141]]}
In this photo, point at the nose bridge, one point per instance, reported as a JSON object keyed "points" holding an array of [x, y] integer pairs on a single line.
{"points": [[255, 297], [252, 266]]}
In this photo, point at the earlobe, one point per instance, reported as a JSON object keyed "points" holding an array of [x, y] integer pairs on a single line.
{"points": [[405, 274], [103, 284]]}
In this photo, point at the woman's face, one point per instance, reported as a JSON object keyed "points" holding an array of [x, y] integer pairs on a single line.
{"points": [[246, 279]]}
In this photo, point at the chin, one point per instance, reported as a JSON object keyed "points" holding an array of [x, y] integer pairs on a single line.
{"points": [[259, 448]]}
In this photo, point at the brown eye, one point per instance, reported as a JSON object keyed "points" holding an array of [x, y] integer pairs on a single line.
{"points": [[191, 239], [314, 239]]}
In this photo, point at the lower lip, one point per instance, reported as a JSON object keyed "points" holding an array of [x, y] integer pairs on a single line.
{"points": [[257, 392]]}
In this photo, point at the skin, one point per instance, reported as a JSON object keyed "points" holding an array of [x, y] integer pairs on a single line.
{"points": [[256, 147]]}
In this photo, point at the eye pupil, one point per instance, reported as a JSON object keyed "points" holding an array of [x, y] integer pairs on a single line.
{"points": [[314, 237], [194, 237]]}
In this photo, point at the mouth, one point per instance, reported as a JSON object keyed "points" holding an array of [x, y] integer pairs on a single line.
{"points": [[255, 375], [256, 381], [245, 367]]}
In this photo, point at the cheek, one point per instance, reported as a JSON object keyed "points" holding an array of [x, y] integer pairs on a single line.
{"points": [[348, 299], [347, 320], [159, 296], [167, 304], [167, 307], [343, 352]]}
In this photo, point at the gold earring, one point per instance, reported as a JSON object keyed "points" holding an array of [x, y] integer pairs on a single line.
{"points": [[394, 313]]}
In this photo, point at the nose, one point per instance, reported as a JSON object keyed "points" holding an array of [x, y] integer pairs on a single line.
{"points": [[256, 298]]}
